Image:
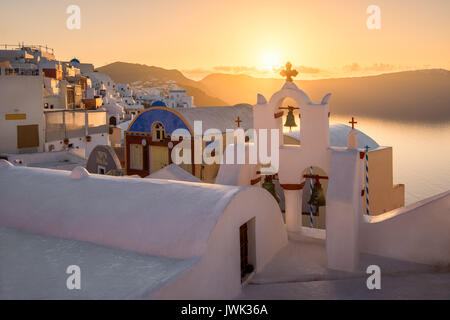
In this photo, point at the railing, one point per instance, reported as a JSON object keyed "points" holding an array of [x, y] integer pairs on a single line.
{"points": [[19, 72], [62, 124], [23, 45]]}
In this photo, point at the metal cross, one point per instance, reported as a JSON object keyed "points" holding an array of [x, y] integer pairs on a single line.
{"points": [[353, 122], [238, 121], [288, 73]]}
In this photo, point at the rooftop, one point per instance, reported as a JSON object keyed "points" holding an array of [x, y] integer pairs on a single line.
{"points": [[34, 267], [126, 223]]}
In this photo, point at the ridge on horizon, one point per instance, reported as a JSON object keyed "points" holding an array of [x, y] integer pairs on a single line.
{"points": [[402, 95], [244, 74]]}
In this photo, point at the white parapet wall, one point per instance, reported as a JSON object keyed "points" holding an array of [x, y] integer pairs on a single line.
{"points": [[343, 210], [79, 145], [419, 232]]}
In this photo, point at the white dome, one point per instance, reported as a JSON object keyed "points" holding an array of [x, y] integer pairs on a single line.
{"points": [[338, 137]]}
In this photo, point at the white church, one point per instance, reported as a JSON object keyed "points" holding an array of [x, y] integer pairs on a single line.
{"points": [[172, 236]]}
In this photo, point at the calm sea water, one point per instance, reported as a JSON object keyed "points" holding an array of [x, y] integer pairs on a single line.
{"points": [[421, 154]]}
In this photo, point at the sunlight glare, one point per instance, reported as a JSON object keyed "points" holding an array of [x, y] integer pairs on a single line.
{"points": [[270, 60]]}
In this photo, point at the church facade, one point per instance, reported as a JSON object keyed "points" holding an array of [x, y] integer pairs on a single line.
{"points": [[148, 142]]}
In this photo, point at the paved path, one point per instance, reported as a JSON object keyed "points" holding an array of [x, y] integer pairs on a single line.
{"points": [[299, 271]]}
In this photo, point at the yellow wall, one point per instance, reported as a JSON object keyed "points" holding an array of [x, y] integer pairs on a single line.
{"points": [[209, 171], [383, 195], [116, 136]]}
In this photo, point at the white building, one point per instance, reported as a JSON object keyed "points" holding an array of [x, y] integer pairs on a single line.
{"points": [[192, 249], [179, 99], [42, 105], [22, 120], [124, 90], [103, 83]]}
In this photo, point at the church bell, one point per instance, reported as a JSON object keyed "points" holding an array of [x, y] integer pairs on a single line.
{"points": [[317, 198], [290, 120], [270, 186]]}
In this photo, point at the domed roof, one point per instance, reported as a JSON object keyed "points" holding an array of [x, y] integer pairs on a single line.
{"points": [[338, 137], [75, 60], [243, 105], [158, 103]]}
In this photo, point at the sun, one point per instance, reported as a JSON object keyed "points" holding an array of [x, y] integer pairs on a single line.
{"points": [[270, 60]]}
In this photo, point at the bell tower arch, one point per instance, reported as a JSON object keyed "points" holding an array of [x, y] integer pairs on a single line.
{"points": [[314, 141]]}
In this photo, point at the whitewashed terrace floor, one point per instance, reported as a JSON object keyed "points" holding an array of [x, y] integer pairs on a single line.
{"points": [[299, 271]]}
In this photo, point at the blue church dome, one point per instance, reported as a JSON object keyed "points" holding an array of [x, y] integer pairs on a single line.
{"points": [[158, 103], [75, 60]]}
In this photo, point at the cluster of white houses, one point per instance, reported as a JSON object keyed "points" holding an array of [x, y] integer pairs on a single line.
{"points": [[52, 105]]}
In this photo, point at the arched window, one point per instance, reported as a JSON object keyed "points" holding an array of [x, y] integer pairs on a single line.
{"points": [[158, 131], [112, 121]]}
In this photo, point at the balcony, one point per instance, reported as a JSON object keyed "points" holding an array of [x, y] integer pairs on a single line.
{"points": [[18, 72], [93, 103]]}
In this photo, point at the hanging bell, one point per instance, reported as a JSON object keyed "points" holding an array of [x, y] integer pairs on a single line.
{"points": [[317, 198], [290, 120], [270, 186]]}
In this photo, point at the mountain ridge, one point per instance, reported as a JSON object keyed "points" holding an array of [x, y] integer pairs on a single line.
{"points": [[415, 95]]}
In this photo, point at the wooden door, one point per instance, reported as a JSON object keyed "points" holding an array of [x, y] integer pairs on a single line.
{"points": [[160, 158], [28, 136], [244, 249]]}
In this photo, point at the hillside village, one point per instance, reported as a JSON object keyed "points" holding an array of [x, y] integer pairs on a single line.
{"points": [[52, 105]]}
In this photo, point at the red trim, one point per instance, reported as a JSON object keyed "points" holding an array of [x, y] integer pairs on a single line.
{"points": [[278, 114], [255, 181], [361, 155], [315, 176], [293, 186], [192, 156], [137, 139]]}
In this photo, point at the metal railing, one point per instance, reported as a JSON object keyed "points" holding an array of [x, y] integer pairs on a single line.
{"points": [[20, 46], [61, 124], [19, 72]]}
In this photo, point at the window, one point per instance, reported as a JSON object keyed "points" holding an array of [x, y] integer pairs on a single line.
{"points": [[157, 131], [136, 156], [112, 121]]}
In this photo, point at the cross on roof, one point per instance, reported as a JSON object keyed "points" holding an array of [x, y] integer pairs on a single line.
{"points": [[238, 121], [353, 122], [288, 72]]}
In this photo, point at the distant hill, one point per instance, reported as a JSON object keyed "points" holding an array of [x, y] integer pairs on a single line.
{"points": [[422, 95], [122, 72]]}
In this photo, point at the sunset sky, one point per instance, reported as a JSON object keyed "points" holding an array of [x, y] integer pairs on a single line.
{"points": [[326, 38]]}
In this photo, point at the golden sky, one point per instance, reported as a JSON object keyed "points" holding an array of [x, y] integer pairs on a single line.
{"points": [[326, 38]]}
